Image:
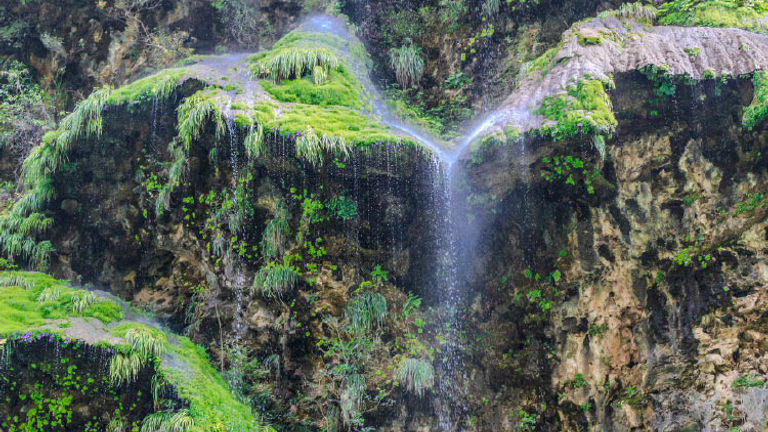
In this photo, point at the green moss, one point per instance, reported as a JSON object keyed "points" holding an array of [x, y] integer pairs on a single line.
{"points": [[185, 365], [714, 13], [211, 404], [340, 88], [584, 108], [157, 86], [334, 122], [21, 310], [757, 111], [542, 64]]}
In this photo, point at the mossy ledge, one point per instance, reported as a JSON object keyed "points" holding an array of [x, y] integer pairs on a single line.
{"points": [[316, 103], [35, 304]]}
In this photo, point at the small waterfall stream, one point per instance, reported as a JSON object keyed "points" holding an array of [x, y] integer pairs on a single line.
{"points": [[454, 235]]}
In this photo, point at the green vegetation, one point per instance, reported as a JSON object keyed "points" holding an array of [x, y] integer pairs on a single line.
{"points": [[31, 300], [541, 64], [275, 235], [750, 204], [276, 280], [290, 62], [746, 382], [24, 110], [25, 220], [584, 108], [366, 311], [338, 88], [158, 86], [569, 170], [715, 13], [407, 63], [638, 11], [343, 207], [757, 111], [417, 375]]}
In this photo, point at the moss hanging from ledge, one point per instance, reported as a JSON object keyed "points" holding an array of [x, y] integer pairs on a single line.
{"points": [[757, 111], [584, 108], [36, 302]]}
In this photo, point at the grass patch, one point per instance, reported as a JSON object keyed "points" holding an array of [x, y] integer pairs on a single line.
{"points": [[23, 305], [337, 122]]}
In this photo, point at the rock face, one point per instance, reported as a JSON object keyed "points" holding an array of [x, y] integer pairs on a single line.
{"points": [[602, 47], [610, 282], [661, 270]]}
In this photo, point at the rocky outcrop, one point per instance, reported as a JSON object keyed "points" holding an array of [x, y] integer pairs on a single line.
{"points": [[660, 269]]}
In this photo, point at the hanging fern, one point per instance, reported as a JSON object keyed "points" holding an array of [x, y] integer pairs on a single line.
{"points": [[407, 63], [146, 343], [275, 280], [366, 311], [296, 62], [417, 375], [311, 147], [276, 233], [124, 368]]}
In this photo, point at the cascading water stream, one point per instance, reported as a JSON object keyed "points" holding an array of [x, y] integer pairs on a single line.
{"points": [[454, 233]]}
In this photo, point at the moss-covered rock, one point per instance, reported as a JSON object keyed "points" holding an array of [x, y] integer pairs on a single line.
{"points": [[37, 306]]}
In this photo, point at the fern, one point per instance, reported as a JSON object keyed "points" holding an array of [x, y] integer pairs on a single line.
{"points": [[407, 63], [254, 142], [352, 396], [19, 226], [146, 343], [296, 62], [365, 311], [124, 368], [417, 375], [644, 13], [50, 294], [82, 300], [117, 424], [276, 233], [153, 422], [192, 116], [275, 280], [181, 421], [311, 147]]}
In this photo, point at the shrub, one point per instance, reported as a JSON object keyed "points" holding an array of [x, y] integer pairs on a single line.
{"points": [[584, 108], [146, 342], [276, 280], [296, 62], [24, 111], [343, 207], [124, 368], [417, 375], [276, 233], [366, 310], [407, 63], [640, 12], [714, 13]]}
